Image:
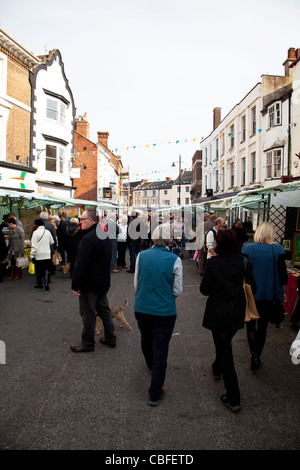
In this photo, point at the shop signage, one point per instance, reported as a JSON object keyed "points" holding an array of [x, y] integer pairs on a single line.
{"points": [[16, 179]]}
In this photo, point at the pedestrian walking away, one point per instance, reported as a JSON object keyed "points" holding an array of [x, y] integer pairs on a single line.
{"points": [[91, 282], [268, 259], [41, 244], [158, 281], [225, 308]]}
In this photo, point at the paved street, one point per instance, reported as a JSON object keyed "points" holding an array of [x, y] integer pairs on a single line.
{"points": [[52, 398]]}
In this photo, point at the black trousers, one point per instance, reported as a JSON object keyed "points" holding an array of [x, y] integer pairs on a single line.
{"points": [[121, 262], [156, 332], [90, 305], [257, 329], [42, 273], [224, 364]]}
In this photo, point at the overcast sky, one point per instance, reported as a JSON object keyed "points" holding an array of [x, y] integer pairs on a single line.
{"points": [[151, 71]]}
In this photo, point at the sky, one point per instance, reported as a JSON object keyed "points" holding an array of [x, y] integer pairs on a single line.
{"points": [[150, 72]]}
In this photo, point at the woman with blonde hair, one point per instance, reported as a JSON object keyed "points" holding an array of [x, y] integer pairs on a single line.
{"points": [[269, 268]]}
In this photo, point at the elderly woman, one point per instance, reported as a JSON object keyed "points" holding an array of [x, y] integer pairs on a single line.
{"points": [[16, 247], [268, 259], [41, 243], [158, 281]]}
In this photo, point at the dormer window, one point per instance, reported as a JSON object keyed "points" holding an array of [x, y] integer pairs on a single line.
{"points": [[275, 114]]}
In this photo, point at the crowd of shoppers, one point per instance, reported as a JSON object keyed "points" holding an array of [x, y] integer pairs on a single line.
{"points": [[225, 259]]}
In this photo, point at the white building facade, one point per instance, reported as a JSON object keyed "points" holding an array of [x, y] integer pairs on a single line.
{"points": [[163, 194], [52, 127], [295, 119], [232, 152]]}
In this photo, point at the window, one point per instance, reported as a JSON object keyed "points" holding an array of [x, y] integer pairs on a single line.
{"points": [[165, 191], [243, 128], [243, 179], [179, 189], [217, 148], [232, 174], [217, 181], [231, 135], [253, 161], [55, 158], [275, 115], [187, 200], [187, 189], [253, 120], [56, 110], [178, 201], [273, 164]]}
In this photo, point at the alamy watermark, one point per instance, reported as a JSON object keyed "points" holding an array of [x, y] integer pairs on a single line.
{"points": [[184, 224]]}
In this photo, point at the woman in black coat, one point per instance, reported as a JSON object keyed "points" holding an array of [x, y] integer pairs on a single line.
{"points": [[225, 308]]}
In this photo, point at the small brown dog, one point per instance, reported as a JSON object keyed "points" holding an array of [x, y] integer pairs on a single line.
{"points": [[116, 312]]}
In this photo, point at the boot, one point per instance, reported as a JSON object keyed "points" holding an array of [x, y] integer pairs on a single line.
{"points": [[18, 274], [255, 360], [12, 272]]}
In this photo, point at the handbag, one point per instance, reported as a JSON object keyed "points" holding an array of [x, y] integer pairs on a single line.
{"points": [[276, 313], [56, 258], [22, 262], [251, 312]]}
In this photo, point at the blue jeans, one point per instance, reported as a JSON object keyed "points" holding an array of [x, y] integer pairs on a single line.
{"points": [[90, 304], [156, 332], [134, 249]]}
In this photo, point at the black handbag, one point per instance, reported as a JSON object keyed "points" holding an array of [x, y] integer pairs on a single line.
{"points": [[276, 313]]}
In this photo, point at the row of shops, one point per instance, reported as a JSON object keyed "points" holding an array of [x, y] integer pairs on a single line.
{"points": [[279, 204]]}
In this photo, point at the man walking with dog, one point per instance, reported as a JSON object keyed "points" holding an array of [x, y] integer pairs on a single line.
{"points": [[91, 282]]}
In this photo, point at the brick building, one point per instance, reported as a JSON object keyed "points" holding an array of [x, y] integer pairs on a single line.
{"points": [[16, 63], [98, 169]]}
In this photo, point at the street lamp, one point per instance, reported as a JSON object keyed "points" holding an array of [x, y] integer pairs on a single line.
{"points": [[179, 179]]}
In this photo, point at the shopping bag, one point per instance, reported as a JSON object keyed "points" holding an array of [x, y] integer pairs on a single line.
{"points": [[31, 268], [66, 268], [56, 258]]}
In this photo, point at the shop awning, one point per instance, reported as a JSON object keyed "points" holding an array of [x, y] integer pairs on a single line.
{"points": [[255, 196], [31, 200]]}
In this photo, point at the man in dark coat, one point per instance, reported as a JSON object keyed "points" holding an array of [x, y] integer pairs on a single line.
{"points": [[91, 282]]}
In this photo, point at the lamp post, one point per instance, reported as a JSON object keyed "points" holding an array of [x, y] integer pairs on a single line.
{"points": [[179, 178]]}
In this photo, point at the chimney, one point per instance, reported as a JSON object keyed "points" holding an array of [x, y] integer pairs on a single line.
{"points": [[217, 117], [291, 56], [82, 126], [103, 138]]}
